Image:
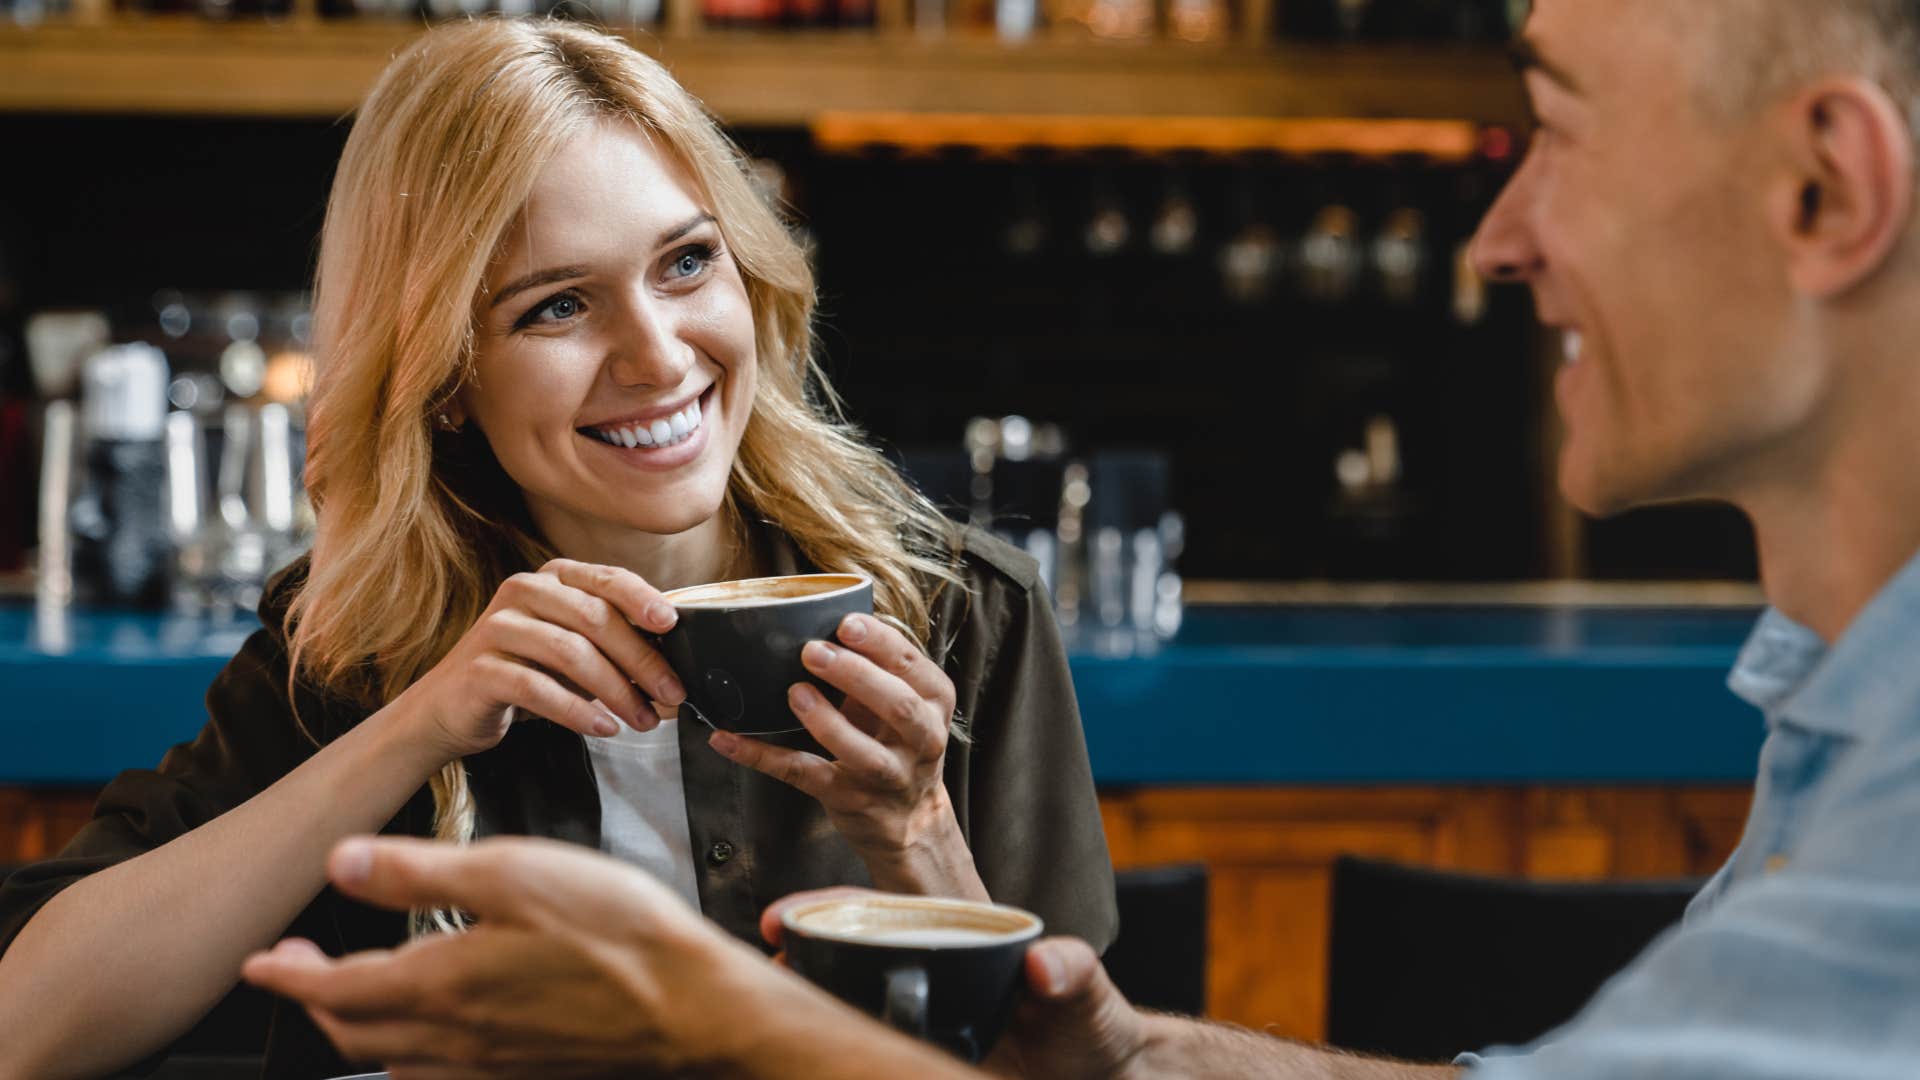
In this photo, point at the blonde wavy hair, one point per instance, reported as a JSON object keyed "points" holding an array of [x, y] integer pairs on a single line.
{"points": [[416, 531]]}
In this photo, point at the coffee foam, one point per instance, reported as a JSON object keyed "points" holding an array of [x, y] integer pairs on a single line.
{"points": [[934, 937], [761, 592], [913, 921]]}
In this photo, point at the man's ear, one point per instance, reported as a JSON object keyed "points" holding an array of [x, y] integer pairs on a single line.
{"points": [[1842, 203]]}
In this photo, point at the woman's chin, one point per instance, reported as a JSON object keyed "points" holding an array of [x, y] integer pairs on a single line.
{"points": [[686, 513]]}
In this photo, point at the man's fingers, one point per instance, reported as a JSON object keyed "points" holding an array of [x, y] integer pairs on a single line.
{"points": [[1060, 969], [292, 960], [400, 1044], [447, 1072], [365, 982], [403, 872], [441, 1072], [770, 927]]}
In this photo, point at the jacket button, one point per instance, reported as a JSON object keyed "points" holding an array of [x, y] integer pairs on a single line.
{"points": [[720, 853]]}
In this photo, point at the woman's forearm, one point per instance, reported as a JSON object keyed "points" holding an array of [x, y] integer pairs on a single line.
{"points": [[121, 963]]}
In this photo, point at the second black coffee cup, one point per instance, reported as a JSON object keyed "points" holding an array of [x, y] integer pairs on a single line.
{"points": [[947, 971], [736, 646]]}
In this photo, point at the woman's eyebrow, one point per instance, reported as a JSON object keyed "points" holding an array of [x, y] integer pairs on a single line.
{"points": [[686, 227], [535, 280]]}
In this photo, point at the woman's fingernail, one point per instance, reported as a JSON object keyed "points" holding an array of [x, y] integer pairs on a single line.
{"points": [[605, 726], [671, 691], [352, 862], [725, 741], [661, 616], [853, 629], [820, 654], [805, 696]]}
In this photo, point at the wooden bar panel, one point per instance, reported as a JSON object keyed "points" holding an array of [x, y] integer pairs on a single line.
{"points": [[35, 824], [1269, 852]]}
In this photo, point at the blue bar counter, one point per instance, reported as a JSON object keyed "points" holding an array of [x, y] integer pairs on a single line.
{"points": [[1268, 695]]}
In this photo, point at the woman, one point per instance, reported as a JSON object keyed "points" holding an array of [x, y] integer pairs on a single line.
{"points": [[564, 364]]}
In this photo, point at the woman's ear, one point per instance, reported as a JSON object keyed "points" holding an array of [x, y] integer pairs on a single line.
{"points": [[1845, 197]]}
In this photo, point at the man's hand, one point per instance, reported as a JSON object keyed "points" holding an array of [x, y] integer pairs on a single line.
{"points": [[580, 966], [1073, 1022]]}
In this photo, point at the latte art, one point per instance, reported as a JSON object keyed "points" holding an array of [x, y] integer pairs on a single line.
{"points": [[759, 592]]}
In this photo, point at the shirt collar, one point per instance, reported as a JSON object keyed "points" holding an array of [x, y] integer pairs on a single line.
{"points": [[1776, 660], [1866, 680]]}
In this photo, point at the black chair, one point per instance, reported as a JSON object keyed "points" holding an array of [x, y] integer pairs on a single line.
{"points": [[1424, 964], [1160, 958]]}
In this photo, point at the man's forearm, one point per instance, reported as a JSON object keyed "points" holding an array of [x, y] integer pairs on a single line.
{"points": [[778, 1026], [1178, 1046]]}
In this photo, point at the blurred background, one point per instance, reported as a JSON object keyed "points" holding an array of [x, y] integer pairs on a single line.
{"points": [[1173, 293], [1207, 254]]}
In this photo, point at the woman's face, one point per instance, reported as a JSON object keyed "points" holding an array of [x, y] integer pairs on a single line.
{"points": [[614, 353]]}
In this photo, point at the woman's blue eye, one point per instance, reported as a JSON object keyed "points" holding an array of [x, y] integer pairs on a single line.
{"points": [[691, 262], [557, 309]]}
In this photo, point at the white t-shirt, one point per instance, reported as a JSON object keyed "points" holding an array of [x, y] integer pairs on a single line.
{"points": [[643, 804]]}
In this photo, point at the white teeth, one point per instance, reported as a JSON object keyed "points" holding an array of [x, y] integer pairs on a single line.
{"points": [[668, 431], [1571, 344]]}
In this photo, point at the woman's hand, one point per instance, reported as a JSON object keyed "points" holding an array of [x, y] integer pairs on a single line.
{"points": [[562, 644], [883, 789]]}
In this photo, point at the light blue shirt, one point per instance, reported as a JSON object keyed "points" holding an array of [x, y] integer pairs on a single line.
{"points": [[1800, 960]]}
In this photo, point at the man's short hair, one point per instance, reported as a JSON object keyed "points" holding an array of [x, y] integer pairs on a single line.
{"points": [[1760, 49]]}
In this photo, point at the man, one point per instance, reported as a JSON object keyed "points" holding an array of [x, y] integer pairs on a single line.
{"points": [[1718, 214]]}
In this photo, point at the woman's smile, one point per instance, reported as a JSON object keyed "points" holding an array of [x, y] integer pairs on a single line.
{"points": [[659, 438], [614, 370]]}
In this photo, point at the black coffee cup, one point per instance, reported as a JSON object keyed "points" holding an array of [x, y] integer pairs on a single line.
{"points": [[947, 971], [736, 646]]}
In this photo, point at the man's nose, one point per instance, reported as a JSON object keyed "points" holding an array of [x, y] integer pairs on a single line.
{"points": [[1504, 248]]}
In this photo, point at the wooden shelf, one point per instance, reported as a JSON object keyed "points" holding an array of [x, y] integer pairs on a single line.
{"points": [[308, 68], [1435, 140]]}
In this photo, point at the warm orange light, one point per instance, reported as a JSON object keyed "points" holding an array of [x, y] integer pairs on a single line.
{"points": [[1443, 140], [289, 376]]}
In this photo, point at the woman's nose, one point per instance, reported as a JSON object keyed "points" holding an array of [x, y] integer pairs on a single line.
{"points": [[647, 348]]}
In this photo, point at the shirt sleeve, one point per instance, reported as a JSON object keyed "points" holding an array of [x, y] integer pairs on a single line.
{"points": [[1032, 815], [250, 740], [1810, 971]]}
